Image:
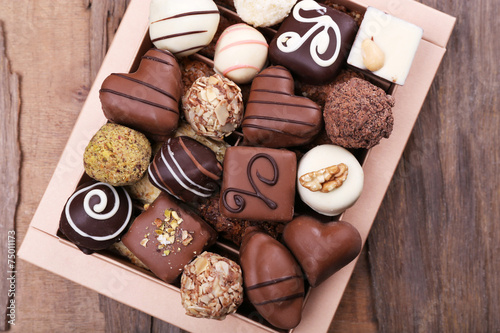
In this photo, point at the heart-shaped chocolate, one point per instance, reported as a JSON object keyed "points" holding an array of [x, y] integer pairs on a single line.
{"points": [[321, 248], [274, 116], [147, 100]]}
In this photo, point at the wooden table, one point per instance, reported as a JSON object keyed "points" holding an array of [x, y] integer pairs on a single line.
{"points": [[431, 262]]}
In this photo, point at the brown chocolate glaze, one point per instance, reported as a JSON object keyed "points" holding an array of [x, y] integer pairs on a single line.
{"points": [[274, 116], [96, 216], [273, 279], [168, 261], [258, 184], [186, 169], [147, 100], [303, 21], [321, 249]]}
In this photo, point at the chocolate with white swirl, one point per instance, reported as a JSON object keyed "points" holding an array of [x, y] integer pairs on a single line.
{"points": [[96, 216], [186, 169], [274, 116], [258, 184], [313, 42]]}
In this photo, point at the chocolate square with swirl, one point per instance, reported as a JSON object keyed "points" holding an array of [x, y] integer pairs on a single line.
{"points": [[313, 42], [274, 116], [258, 184]]}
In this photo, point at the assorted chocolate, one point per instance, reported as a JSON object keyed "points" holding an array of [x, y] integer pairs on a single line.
{"points": [[96, 216], [259, 149], [147, 100], [186, 169], [167, 236]]}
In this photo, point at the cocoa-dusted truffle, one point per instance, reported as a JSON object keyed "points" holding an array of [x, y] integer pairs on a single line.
{"points": [[211, 286], [213, 106], [233, 229], [358, 114]]}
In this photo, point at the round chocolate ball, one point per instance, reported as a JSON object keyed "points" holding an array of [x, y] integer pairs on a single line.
{"points": [[95, 216]]}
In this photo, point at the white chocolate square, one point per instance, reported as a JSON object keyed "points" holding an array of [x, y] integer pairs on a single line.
{"points": [[398, 39]]}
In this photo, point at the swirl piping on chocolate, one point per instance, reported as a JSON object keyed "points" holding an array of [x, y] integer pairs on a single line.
{"points": [[95, 212], [239, 200], [291, 41]]}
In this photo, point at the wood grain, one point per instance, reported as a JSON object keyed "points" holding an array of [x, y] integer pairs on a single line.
{"points": [[431, 261], [10, 155], [434, 246]]}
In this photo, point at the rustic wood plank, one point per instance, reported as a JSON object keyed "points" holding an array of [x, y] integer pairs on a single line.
{"points": [[10, 155], [434, 246], [122, 318]]}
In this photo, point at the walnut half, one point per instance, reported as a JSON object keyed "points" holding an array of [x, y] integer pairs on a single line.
{"points": [[325, 180]]}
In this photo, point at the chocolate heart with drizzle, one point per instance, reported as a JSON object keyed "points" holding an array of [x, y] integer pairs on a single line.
{"points": [[147, 100], [322, 249], [273, 279], [274, 116]]}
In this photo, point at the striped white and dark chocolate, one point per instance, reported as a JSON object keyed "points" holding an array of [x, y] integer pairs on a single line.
{"points": [[274, 116], [185, 169], [147, 100], [182, 29]]}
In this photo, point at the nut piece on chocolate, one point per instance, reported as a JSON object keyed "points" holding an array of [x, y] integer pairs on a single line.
{"points": [[313, 42], [259, 184], [167, 236], [147, 100], [117, 155], [211, 286], [274, 116], [233, 229], [358, 114], [273, 279]]}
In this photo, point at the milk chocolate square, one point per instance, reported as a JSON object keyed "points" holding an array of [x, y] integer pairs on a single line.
{"points": [[167, 236], [258, 184]]}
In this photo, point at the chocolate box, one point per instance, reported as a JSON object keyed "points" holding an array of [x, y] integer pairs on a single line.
{"points": [[115, 274]]}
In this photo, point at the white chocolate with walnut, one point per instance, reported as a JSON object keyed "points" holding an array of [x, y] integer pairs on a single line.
{"points": [[332, 201]]}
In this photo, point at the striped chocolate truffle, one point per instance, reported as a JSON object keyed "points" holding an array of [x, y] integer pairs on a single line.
{"points": [[240, 53], [183, 27], [273, 280], [147, 100], [95, 216], [186, 169], [274, 116]]}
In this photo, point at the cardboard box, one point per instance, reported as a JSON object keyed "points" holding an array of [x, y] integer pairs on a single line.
{"points": [[114, 277]]}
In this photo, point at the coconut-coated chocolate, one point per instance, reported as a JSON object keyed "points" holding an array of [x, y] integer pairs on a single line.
{"points": [[313, 42], [321, 249], [95, 216], [273, 279], [147, 100], [186, 169], [167, 236], [274, 116]]}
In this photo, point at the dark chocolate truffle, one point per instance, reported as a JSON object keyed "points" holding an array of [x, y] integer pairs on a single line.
{"points": [[258, 184], [274, 116], [358, 114], [147, 100], [321, 249], [96, 216], [313, 42], [167, 236], [273, 279], [186, 169]]}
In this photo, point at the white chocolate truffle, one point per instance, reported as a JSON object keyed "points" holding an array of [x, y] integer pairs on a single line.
{"points": [[183, 27], [264, 13], [240, 53], [339, 199], [397, 40]]}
